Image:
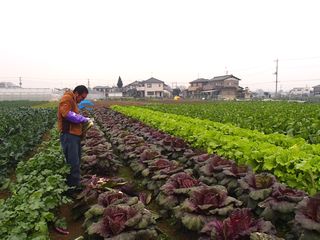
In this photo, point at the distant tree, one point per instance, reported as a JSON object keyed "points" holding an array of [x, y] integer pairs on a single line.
{"points": [[133, 93], [119, 84], [176, 91]]}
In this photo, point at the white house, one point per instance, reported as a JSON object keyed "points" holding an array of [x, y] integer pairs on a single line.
{"points": [[316, 90], [151, 88], [300, 91]]}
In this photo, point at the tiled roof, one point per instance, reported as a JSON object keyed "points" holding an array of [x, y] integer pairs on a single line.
{"points": [[224, 77], [153, 80], [200, 80]]}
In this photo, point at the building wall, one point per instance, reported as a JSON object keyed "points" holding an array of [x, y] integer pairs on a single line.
{"points": [[231, 82], [152, 89], [115, 94], [316, 90], [39, 94], [228, 93], [199, 84], [31, 94]]}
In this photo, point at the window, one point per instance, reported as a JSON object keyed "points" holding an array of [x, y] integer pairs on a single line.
{"points": [[150, 93], [149, 85]]}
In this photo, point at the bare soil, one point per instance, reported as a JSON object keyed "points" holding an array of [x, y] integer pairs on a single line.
{"points": [[74, 226]]}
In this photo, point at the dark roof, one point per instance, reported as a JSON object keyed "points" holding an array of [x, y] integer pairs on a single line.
{"points": [[133, 83], [200, 80], [152, 80], [224, 77], [316, 86]]}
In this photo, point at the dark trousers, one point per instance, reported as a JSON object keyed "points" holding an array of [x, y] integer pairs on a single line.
{"points": [[72, 151]]}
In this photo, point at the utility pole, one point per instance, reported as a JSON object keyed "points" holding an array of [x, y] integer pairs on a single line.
{"points": [[276, 73], [20, 82], [88, 83]]}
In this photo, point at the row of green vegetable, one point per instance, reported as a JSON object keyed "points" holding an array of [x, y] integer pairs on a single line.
{"points": [[293, 119], [38, 190], [295, 165], [20, 130], [20, 103]]}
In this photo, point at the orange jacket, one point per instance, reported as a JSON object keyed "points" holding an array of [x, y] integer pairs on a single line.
{"points": [[68, 103]]}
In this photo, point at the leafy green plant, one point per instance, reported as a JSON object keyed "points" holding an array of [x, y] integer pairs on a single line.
{"points": [[21, 129], [294, 162], [293, 119], [38, 190]]}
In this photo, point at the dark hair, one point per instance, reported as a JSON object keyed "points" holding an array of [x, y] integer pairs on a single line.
{"points": [[81, 89]]}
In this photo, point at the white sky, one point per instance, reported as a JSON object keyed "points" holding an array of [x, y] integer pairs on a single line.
{"points": [[62, 43]]}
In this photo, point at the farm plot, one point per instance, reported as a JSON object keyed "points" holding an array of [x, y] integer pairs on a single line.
{"points": [[292, 160], [142, 183], [38, 190], [293, 119], [201, 192]]}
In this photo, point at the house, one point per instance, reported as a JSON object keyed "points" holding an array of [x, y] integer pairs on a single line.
{"points": [[196, 87], [220, 87], [94, 94], [150, 88], [244, 93], [132, 85], [316, 90], [115, 92], [102, 89], [300, 91]]}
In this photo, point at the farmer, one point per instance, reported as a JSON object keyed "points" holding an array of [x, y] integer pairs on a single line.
{"points": [[70, 127]]}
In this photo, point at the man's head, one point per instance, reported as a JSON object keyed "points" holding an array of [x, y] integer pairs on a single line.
{"points": [[81, 92]]}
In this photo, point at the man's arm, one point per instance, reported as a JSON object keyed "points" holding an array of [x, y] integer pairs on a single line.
{"points": [[76, 118], [65, 110]]}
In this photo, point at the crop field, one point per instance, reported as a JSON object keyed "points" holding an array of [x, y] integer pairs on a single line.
{"points": [[198, 171], [289, 118]]}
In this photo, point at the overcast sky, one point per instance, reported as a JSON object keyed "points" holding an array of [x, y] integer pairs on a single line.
{"points": [[62, 43]]}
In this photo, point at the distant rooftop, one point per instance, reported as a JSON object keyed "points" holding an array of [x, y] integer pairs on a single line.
{"points": [[8, 85], [200, 80], [218, 78], [153, 80]]}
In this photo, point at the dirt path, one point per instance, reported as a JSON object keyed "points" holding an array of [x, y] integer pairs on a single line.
{"points": [[74, 226]]}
